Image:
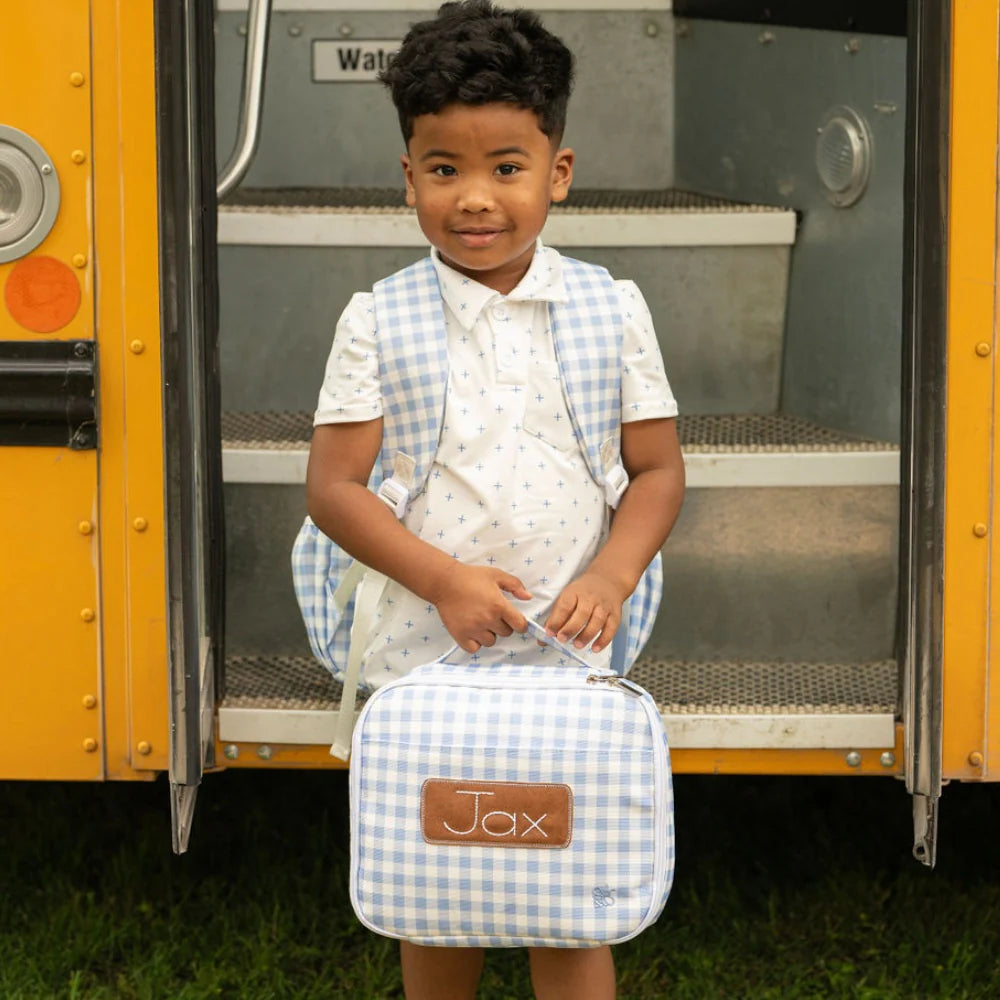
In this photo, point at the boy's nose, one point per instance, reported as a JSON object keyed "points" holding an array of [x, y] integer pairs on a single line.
{"points": [[475, 196]]}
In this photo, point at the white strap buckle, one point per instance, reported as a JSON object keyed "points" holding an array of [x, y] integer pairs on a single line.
{"points": [[395, 491], [615, 484], [615, 476], [394, 496]]}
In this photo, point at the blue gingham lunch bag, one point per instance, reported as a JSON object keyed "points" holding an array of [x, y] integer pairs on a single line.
{"points": [[510, 806]]}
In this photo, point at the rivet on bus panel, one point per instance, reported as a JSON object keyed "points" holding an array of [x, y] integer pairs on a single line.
{"points": [[90, 744], [232, 751], [853, 759], [79, 260], [85, 527], [76, 78], [78, 156], [87, 614], [976, 758], [888, 758], [137, 347], [144, 747], [140, 524], [983, 349], [89, 701], [979, 529], [265, 752]]}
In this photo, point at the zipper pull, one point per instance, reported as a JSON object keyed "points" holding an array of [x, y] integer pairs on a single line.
{"points": [[602, 677], [615, 680]]}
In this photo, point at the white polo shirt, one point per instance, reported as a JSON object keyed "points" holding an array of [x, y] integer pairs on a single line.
{"points": [[509, 486]]}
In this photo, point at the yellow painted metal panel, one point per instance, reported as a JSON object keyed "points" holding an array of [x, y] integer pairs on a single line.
{"points": [[40, 95], [128, 322], [989, 352], [50, 608], [971, 305], [50, 696]]}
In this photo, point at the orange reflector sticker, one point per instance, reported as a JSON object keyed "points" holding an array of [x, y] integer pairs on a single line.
{"points": [[42, 294]]}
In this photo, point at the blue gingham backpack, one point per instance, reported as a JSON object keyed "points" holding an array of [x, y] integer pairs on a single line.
{"points": [[510, 806], [413, 370]]}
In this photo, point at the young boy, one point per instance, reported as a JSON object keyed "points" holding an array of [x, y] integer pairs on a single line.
{"points": [[512, 523]]}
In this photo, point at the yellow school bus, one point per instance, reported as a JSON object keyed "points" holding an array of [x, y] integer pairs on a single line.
{"points": [[808, 199]]}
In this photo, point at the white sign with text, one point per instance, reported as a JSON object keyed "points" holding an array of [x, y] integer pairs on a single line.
{"points": [[351, 60]]}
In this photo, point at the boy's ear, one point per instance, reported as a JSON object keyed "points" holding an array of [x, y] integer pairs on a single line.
{"points": [[562, 173], [411, 195]]}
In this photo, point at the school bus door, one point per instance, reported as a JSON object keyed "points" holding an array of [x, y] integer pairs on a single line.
{"points": [[110, 468], [951, 709], [192, 442]]}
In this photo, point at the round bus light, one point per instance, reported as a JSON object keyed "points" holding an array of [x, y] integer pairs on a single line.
{"points": [[29, 194], [843, 155], [42, 294]]}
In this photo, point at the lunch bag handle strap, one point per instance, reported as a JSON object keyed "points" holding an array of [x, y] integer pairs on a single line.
{"points": [[363, 613]]}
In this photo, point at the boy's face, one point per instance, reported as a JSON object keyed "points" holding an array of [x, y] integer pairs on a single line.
{"points": [[481, 178]]}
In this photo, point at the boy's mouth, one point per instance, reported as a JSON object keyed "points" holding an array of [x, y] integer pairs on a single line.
{"points": [[477, 236]]}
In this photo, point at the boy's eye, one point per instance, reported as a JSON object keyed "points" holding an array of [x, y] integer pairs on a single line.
{"points": [[508, 169], [444, 170]]}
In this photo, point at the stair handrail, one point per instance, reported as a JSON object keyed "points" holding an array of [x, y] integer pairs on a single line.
{"points": [[251, 99]]}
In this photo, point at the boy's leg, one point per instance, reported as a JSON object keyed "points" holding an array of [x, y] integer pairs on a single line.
{"points": [[440, 973], [572, 973]]}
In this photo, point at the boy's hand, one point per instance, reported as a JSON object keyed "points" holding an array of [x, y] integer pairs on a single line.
{"points": [[473, 607], [590, 608]]}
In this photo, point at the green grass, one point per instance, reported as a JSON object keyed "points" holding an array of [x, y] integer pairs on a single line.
{"points": [[785, 888]]}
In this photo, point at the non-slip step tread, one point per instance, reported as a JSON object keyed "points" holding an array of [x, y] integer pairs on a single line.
{"points": [[679, 688], [267, 431], [756, 688], [699, 434], [280, 682], [392, 200]]}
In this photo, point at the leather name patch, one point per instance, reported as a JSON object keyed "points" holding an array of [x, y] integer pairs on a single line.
{"points": [[496, 813]]}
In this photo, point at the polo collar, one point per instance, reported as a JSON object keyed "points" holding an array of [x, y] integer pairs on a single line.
{"points": [[466, 297]]}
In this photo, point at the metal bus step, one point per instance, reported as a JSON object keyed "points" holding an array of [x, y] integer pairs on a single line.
{"points": [[714, 274], [745, 450], [589, 218], [793, 555], [721, 705]]}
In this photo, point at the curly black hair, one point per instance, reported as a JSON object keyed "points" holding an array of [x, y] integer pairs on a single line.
{"points": [[474, 53]]}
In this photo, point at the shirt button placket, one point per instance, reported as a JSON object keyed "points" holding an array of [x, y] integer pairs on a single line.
{"points": [[500, 316]]}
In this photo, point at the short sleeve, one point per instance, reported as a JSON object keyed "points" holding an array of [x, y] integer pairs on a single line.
{"points": [[646, 393], [351, 389]]}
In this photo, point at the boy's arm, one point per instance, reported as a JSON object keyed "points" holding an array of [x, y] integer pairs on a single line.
{"points": [[470, 599], [590, 607]]}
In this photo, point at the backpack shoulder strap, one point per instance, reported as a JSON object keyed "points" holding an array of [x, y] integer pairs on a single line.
{"points": [[587, 330], [413, 368]]}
